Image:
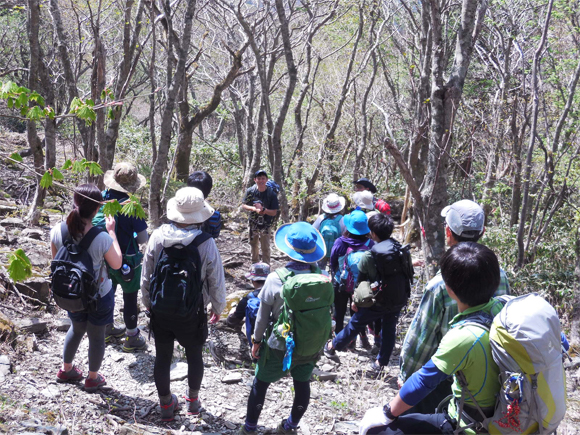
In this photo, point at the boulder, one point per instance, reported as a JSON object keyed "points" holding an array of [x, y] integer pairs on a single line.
{"points": [[12, 222], [37, 288], [32, 233], [31, 325], [232, 378]]}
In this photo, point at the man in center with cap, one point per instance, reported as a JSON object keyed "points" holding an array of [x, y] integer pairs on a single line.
{"points": [[463, 222], [305, 246], [262, 203]]}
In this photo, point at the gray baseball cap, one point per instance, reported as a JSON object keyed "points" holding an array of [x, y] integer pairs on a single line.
{"points": [[465, 218]]}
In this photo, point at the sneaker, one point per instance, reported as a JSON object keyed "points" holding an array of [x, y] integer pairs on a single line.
{"points": [[134, 342], [168, 411], [375, 367], [193, 406], [92, 385], [113, 331], [234, 321], [73, 375], [331, 353], [244, 431], [280, 429], [365, 342]]}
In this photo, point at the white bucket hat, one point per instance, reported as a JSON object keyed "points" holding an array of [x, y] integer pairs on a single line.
{"points": [[364, 200], [333, 203], [188, 207], [124, 178]]}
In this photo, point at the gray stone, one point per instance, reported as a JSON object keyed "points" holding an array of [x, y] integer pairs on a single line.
{"points": [[32, 325], [32, 233], [327, 367], [230, 425], [12, 222], [38, 288], [572, 365], [346, 427], [232, 378], [4, 360], [39, 258], [63, 324], [178, 371], [50, 392], [324, 376]]}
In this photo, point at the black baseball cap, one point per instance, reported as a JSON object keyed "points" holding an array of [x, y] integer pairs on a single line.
{"points": [[260, 172]]}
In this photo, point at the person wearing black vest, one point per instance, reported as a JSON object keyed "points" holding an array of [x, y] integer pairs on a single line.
{"points": [[392, 293]]}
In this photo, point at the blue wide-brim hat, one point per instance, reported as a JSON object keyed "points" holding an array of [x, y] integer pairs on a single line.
{"points": [[357, 223], [301, 242]]}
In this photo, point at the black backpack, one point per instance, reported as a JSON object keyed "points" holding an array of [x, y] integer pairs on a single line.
{"points": [[176, 284], [74, 285], [395, 268]]}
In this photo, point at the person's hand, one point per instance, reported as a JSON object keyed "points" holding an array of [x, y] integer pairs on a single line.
{"points": [[214, 318], [258, 207], [400, 383], [418, 263], [374, 417], [353, 307], [110, 223], [256, 350]]}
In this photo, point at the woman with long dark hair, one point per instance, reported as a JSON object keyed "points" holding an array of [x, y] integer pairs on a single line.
{"points": [[87, 200]]}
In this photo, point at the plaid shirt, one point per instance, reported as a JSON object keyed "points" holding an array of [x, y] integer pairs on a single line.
{"points": [[431, 323]]}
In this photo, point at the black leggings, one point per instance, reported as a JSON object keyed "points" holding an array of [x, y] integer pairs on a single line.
{"points": [[130, 311], [258, 396], [164, 353], [73, 338], [341, 305]]}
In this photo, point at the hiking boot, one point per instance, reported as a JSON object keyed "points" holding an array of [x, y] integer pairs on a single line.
{"points": [[233, 321], [73, 375], [243, 431], [365, 343], [331, 353], [134, 342], [280, 429], [92, 385], [168, 411], [113, 331], [193, 406]]}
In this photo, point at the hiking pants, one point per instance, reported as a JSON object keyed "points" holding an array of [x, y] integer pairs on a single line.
{"points": [[417, 424], [341, 305], [161, 370], [358, 323], [260, 238], [258, 396]]}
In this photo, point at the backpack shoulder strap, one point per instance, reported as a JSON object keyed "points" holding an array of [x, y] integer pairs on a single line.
{"points": [[86, 241], [284, 273], [315, 269], [65, 235], [203, 237]]}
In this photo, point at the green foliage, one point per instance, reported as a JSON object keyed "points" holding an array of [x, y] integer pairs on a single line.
{"points": [[19, 266], [111, 208], [46, 180], [84, 109], [133, 208], [16, 157]]}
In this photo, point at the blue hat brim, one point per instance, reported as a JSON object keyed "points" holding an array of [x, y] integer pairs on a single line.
{"points": [[313, 257]]}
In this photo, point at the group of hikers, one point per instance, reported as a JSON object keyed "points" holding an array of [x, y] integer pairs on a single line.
{"points": [[296, 313]]}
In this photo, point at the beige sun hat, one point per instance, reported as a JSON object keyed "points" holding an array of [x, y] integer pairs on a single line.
{"points": [[364, 200], [124, 178], [188, 207], [333, 203]]}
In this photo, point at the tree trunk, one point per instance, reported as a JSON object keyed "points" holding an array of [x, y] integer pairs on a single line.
{"points": [[160, 165]]}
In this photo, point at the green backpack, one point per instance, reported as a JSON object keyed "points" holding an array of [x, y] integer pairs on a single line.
{"points": [[306, 313]]}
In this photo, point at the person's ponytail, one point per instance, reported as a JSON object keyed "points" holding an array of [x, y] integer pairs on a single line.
{"points": [[87, 200]]}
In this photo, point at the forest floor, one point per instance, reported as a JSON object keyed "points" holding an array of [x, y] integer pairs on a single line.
{"points": [[32, 402]]}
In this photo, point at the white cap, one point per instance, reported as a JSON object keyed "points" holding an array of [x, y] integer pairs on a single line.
{"points": [[465, 218]]}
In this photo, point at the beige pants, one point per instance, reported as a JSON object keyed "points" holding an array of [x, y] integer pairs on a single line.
{"points": [[260, 239]]}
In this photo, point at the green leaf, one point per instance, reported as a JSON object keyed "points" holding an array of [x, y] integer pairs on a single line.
{"points": [[21, 100], [17, 157], [46, 180], [67, 165], [75, 104], [111, 208], [90, 102], [19, 267], [57, 174], [94, 168], [133, 208], [35, 113], [87, 114], [110, 114], [35, 96], [78, 166]]}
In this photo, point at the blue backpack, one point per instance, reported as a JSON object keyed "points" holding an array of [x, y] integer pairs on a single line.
{"points": [[251, 314], [349, 270], [213, 225], [330, 231]]}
